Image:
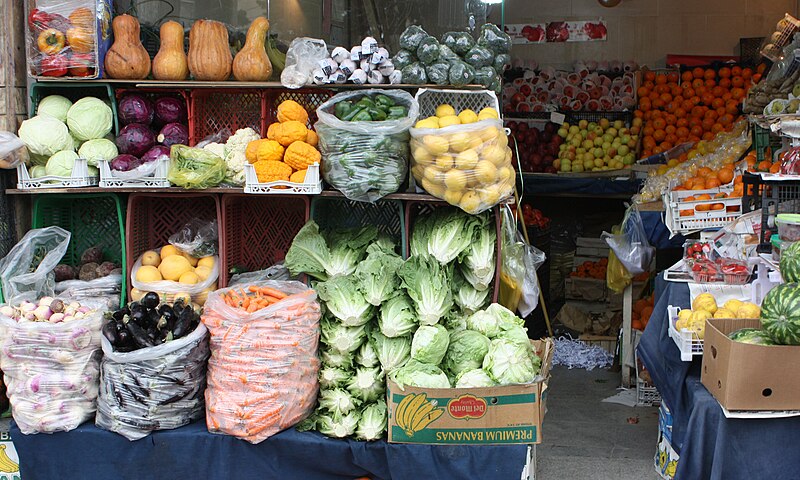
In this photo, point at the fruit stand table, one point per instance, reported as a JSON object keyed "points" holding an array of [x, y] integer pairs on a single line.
{"points": [[192, 452], [710, 445]]}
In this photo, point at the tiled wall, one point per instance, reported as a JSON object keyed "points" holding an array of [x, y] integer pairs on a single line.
{"points": [[648, 30]]}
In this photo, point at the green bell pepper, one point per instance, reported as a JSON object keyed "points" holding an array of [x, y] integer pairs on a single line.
{"points": [[362, 116], [342, 109], [377, 114], [353, 112], [384, 100]]}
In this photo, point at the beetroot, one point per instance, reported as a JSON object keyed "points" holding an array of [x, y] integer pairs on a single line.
{"points": [[172, 134], [135, 139], [135, 109]]}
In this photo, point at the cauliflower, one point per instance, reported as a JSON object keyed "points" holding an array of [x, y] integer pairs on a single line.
{"points": [[234, 154], [217, 149]]}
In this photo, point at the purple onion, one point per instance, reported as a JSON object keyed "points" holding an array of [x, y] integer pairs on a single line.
{"points": [[170, 110], [172, 134], [135, 108], [135, 139]]}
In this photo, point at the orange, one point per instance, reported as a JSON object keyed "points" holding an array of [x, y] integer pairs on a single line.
{"points": [[708, 122], [661, 79], [682, 122], [710, 83], [721, 195], [737, 82], [736, 70], [673, 77], [659, 124], [764, 166], [717, 206], [717, 127], [682, 131], [708, 136], [690, 198], [725, 175], [670, 130], [747, 72], [725, 82], [659, 135], [642, 92], [724, 72], [649, 75], [698, 72], [687, 76], [710, 74], [712, 182], [704, 172], [775, 168]]}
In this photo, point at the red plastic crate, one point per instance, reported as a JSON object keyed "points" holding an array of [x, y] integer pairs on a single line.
{"points": [[257, 231], [414, 209], [153, 217], [215, 109], [309, 98]]}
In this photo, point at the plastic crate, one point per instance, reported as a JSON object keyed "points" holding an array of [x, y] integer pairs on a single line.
{"points": [[574, 117], [309, 98], [414, 209], [764, 139], [772, 197], [94, 220], [256, 232], [8, 232], [786, 28], [155, 180], [646, 394], [213, 110], [75, 91], [153, 217], [80, 178], [155, 93], [388, 216], [687, 341], [311, 186], [700, 220], [476, 100], [749, 53]]}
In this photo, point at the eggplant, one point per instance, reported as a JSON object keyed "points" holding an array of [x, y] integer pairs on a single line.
{"points": [[134, 306], [123, 337], [120, 314], [110, 332], [153, 317], [183, 323], [119, 325], [138, 317], [150, 300], [139, 335]]}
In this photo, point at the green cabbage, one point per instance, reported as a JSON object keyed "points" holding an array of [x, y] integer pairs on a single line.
{"points": [[337, 425], [392, 352], [61, 164], [90, 118], [488, 321], [332, 377], [367, 356], [476, 378], [340, 338], [430, 344], [373, 422], [397, 317], [508, 362], [337, 401], [54, 105], [513, 332], [377, 274], [367, 384], [428, 284], [98, 149], [37, 171], [344, 300], [466, 351], [44, 136], [418, 374]]}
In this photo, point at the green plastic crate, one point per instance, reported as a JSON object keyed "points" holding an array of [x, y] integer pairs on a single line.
{"points": [[75, 91], [92, 219], [762, 139]]}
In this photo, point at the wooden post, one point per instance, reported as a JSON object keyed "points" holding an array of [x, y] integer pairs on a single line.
{"points": [[13, 105], [627, 338]]}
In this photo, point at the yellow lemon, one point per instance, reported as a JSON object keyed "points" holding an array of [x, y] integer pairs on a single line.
{"points": [[495, 154], [683, 319], [468, 116], [444, 162], [705, 301], [148, 273], [151, 257], [206, 262], [467, 159], [488, 134], [417, 171], [488, 113], [470, 202], [136, 294], [485, 172], [455, 180], [203, 272], [168, 250], [192, 260], [504, 174], [428, 123], [490, 194], [453, 197], [173, 267], [422, 156], [436, 144], [445, 110], [460, 142], [437, 190], [449, 120], [432, 174], [189, 278]]}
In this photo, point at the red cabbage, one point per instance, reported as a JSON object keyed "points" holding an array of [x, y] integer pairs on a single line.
{"points": [[136, 109], [155, 153], [172, 134], [124, 163], [135, 139], [170, 110]]}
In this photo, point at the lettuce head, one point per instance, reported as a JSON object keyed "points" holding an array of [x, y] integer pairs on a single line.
{"points": [[429, 344]]}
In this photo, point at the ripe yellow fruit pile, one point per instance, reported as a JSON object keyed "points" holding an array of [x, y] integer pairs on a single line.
{"points": [[705, 307], [173, 265], [467, 165]]}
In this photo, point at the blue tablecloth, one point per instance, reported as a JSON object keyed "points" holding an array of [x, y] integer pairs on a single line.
{"points": [[711, 446], [191, 452]]}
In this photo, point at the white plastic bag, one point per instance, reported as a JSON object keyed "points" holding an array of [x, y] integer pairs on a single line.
{"points": [[105, 289], [520, 261], [168, 286], [26, 272], [632, 247], [142, 171], [276, 272], [302, 59], [198, 238], [12, 151], [156, 388]]}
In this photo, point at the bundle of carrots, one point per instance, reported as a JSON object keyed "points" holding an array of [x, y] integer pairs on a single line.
{"points": [[262, 374]]}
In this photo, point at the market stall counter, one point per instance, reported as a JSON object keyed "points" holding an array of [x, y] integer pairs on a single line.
{"points": [[192, 452], [710, 445]]}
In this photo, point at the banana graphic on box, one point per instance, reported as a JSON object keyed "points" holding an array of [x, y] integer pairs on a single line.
{"points": [[6, 464], [415, 412]]}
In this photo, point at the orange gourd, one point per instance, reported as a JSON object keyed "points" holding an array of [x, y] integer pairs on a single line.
{"points": [[209, 54], [252, 63], [170, 62], [127, 59]]}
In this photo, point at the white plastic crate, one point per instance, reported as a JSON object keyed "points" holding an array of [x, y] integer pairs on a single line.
{"points": [[311, 186], [646, 394], [476, 100], [80, 178], [687, 341], [699, 220], [155, 180]]}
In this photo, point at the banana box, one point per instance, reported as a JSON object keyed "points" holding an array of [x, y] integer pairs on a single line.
{"points": [[9, 460], [510, 414]]}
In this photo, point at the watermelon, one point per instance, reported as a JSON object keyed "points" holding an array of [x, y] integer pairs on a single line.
{"points": [[752, 336], [780, 313], [790, 263]]}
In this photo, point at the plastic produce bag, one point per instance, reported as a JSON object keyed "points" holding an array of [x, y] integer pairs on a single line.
{"points": [[156, 388], [617, 277], [26, 272], [198, 238], [142, 171], [104, 289], [167, 286], [263, 370], [494, 39], [631, 245], [412, 36], [195, 167], [52, 370], [275, 272], [469, 165], [13, 151], [365, 160], [458, 42], [519, 283], [302, 58], [414, 74]]}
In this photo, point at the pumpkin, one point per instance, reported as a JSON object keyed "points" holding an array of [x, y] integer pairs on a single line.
{"points": [[170, 62], [291, 110], [251, 152], [270, 150], [127, 59], [271, 171], [209, 54], [312, 138], [300, 155], [252, 63], [82, 17], [298, 176], [289, 132], [272, 131], [80, 40]]}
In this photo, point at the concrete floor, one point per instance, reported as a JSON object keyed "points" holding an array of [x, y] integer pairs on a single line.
{"points": [[586, 439]]}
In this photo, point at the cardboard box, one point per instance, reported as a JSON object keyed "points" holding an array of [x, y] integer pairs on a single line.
{"points": [[666, 458], [9, 460], [748, 377], [510, 414]]}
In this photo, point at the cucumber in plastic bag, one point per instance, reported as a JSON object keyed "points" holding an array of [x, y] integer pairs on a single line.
{"points": [[438, 73], [459, 42], [501, 62], [446, 54], [484, 76], [428, 51], [494, 39], [402, 59], [461, 74], [479, 57], [412, 37], [414, 74]]}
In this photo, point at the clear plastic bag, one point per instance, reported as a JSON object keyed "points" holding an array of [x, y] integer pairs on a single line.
{"points": [[263, 370], [12, 151], [519, 283], [197, 238], [277, 272], [469, 166], [52, 370], [104, 289], [302, 58], [617, 276], [631, 245], [195, 167], [142, 171], [156, 388], [167, 286], [26, 272], [365, 160]]}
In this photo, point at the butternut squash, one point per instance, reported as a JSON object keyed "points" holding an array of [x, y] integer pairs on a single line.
{"points": [[209, 53], [252, 63], [127, 59], [170, 62]]}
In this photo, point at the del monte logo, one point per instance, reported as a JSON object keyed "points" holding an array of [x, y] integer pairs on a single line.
{"points": [[466, 406]]}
